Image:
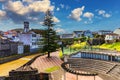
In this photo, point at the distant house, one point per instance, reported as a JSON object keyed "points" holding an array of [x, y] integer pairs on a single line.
{"points": [[78, 34], [12, 35], [112, 37], [30, 38], [104, 32], [66, 36], [117, 31], [86, 33]]}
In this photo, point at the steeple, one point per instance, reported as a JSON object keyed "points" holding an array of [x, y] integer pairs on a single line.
{"points": [[26, 27]]}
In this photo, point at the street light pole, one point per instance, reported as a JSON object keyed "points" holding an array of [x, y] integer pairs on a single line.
{"points": [[61, 46]]}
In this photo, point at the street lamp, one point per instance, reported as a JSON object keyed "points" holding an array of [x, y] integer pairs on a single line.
{"points": [[61, 45]]}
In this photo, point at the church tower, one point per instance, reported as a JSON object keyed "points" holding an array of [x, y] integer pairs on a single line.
{"points": [[26, 27]]}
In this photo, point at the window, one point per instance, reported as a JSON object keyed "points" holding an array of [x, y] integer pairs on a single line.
{"points": [[33, 35]]}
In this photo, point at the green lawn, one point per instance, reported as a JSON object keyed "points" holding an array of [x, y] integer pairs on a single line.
{"points": [[112, 46], [72, 49], [52, 69], [77, 46]]}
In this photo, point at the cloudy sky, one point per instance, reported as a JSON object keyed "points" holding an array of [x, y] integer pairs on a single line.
{"points": [[69, 15]]}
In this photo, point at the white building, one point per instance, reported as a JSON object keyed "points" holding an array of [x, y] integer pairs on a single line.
{"points": [[30, 38], [111, 37], [78, 34], [86, 33]]}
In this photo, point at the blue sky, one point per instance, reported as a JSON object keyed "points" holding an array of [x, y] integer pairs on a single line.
{"points": [[69, 15]]}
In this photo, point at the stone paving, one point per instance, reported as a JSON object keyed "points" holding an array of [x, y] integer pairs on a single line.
{"points": [[42, 63]]}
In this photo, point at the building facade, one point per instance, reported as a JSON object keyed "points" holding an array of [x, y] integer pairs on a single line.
{"points": [[104, 32], [8, 48], [111, 37], [30, 38]]}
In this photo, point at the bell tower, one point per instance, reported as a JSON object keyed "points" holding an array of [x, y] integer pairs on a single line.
{"points": [[26, 27]]}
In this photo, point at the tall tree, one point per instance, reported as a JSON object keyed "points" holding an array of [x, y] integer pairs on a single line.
{"points": [[50, 38]]}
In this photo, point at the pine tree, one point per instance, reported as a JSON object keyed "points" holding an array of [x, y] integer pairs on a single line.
{"points": [[49, 41]]}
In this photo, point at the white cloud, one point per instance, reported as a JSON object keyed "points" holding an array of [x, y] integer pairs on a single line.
{"points": [[67, 7], [31, 10], [57, 9], [60, 30], [3, 0], [77, 13], [29, 1], [107, 15], [36, 6], [85, 22], [88, 15], [88, 22], [17, 7], [53, 3], [104, 13], [101, 12], [41, 23], [56, 20], [62, 5], [41, 6], [2, 14], [33, 18]]}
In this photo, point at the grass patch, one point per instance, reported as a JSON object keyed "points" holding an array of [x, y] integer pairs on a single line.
{"points": [[112, 46], [52, 69], [60, 54], [73, 48]]}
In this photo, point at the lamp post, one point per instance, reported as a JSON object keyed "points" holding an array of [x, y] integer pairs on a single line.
{"points": [[61, 45], [70, 48]]}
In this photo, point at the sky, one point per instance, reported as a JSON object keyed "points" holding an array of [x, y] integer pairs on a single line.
{"points": [[68, 15]]}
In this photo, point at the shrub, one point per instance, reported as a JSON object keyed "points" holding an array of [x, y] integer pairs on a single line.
{"points": [[60, 54]]}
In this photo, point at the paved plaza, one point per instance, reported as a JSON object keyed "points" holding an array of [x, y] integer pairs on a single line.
{"points": [[42, 63]]}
